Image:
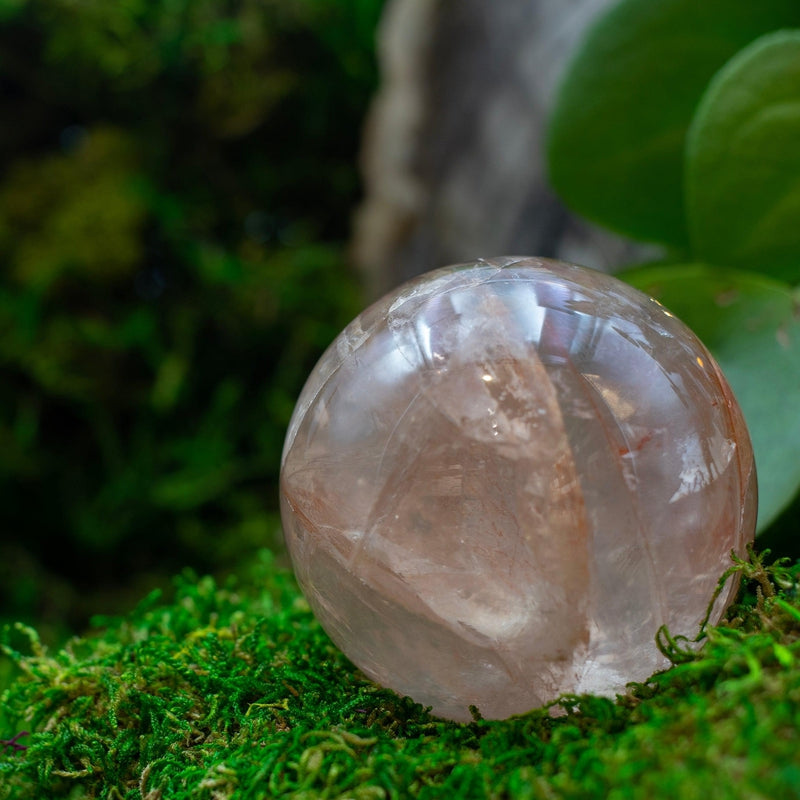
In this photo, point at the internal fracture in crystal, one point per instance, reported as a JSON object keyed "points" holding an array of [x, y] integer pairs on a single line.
{"points": [[501, 480]]}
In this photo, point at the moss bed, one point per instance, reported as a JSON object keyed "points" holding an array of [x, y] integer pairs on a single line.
{"points": [[231, 690]]}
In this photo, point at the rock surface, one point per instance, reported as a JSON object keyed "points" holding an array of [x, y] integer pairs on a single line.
{"points": [[502, 478], [452, 158]]}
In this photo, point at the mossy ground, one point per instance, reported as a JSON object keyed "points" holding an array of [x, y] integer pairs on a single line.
{"points": [[233, 691]]}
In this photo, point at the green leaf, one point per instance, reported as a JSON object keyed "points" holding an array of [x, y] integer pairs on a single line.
{"points": [[616, 137], [751, 324], [743, 161]]}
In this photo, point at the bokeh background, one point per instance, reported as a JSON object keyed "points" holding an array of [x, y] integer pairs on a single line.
{"points": [[195, 197], [176, 184]]}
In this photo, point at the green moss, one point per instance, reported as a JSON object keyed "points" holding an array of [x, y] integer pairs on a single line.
{"points": [[233, 691]]}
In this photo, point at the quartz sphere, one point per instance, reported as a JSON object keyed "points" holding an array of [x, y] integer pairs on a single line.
{"points": [[502, 478]]}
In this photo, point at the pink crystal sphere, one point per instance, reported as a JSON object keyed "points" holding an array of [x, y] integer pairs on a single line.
{"points": [[504, 476]]}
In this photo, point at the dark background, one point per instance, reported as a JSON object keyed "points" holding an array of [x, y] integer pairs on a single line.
{"points": [[177, 179], [195, 197]]}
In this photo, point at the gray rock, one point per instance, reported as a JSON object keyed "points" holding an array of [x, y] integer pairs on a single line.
{"points": [[453, 149]]}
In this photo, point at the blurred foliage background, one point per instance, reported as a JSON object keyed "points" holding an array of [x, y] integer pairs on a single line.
{"points": [[176, 184], [177, 179]]}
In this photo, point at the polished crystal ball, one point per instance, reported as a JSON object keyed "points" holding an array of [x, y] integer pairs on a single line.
{"points": [[501, 480]]}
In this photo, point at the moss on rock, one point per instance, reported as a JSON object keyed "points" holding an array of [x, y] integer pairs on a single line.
{"points": [[231, 690]]}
